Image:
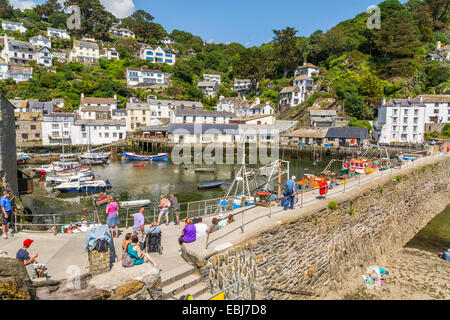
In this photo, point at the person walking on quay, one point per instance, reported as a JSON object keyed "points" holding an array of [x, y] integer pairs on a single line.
{"points": [[164, 209], [290, 194], [112, 216], [7, 212], [176, 207], [139, 220]]}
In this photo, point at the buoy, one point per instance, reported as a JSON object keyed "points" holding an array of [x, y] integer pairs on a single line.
{"points": [[123, 159]]}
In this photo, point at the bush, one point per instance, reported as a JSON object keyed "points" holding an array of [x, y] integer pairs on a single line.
{"points": [[398, 178], [332, 205]]}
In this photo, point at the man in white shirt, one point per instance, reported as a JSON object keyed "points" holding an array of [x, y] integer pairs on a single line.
{"points": [[201, 229]]}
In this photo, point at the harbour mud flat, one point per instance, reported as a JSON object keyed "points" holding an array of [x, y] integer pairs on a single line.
{"points": [[414, 274]]}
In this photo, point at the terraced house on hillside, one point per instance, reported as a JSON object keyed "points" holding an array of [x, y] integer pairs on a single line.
{"points": [[57, 33], [85, 52], [16, 73], [17, 52], [121, 32], [156, 55], [137, 76], [13, 26]]}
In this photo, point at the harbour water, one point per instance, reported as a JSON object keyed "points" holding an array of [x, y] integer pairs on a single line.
{"points": [[133, 183]]}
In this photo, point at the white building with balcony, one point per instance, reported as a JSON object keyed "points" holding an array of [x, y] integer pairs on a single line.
{"points": [[40, 41], [137, 76], [98, 132], [44, 57], [242, 85], [156, 55], [57, 33], [13, 26], [16, 73], [121, 32], [17, 52], [85, 52], [211, 77], [209, 88], [400, 121], [307, 69], [291, 96]]}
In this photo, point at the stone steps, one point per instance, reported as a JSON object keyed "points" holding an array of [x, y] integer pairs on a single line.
{"points": [[196, 291], [182, 284], [176, 274]]}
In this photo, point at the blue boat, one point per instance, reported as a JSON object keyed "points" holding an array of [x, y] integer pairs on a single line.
{"points": [[210, 185], [132, 156]]}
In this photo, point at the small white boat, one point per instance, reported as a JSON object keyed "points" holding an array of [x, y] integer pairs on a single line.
{"points": [[68, 157], [134, 203], [94, 157], [75, 185], [67, 178], [57, 167]]}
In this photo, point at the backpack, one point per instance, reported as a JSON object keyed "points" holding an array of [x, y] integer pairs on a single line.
{"points": [[127, 261], [102, 245]]}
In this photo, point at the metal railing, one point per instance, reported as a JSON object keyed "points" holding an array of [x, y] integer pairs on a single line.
{"points": [[354, 181]]}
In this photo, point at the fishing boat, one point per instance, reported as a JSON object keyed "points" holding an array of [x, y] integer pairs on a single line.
{"points": [[210, 185], [56, 167], [358, 165], [94, 157], [139, 165], [205, 169], [132, 156], [134, 203], [76, 185]]}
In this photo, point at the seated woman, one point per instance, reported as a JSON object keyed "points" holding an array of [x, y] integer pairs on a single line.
{"points": [[125, 243], [215, 225], [188, 233], [136, 254]]}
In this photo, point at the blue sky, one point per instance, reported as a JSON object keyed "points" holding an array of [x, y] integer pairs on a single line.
{"points": [[249, 22]]}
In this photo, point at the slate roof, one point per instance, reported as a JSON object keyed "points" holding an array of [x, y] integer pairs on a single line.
{"points": [[348, 133], [202, 113], [442, 98], [202, 128], [404, 103]]}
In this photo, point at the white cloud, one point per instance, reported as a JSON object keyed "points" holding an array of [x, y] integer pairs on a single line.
{"points": [[22, 5], [120, 8]]}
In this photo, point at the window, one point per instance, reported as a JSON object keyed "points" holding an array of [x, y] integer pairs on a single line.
{"points": [[436, 110], [114, 135], [405, 120], [100, 134], [416, 112], [394, 120], [404, 128], [143, 118], [394, 128], [106, 135], [33, 127], [84, 134], [55, 134], [17, 127], [405, 112], [55, 126], [24, 135], [403, 136], [106, 127], [66, 133], [37, 135]]}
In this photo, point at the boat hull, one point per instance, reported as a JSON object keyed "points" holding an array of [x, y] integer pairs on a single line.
{"points": [[158, 157], [82, 189], [210, 185]]}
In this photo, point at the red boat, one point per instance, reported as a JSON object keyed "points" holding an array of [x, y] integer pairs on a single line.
{"points": [[139, 165], [101, 201]]}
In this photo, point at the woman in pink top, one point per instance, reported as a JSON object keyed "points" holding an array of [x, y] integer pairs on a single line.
{"points": [[112, 216]]}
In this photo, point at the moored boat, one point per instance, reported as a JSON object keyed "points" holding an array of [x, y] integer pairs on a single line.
{"points": [[205, 169], [94, 157], [76, 185], [134, 203], [210, 185], [132, 156]]}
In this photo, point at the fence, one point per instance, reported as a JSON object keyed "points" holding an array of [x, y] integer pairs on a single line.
{"points": [[355, 181]]}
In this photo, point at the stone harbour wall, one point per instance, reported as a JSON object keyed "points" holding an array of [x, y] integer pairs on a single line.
{"points": [[324, 254], [15, 283], [99, 262]]}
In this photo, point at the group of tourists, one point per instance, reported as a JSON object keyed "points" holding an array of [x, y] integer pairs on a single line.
{"points": [[195, 228]]}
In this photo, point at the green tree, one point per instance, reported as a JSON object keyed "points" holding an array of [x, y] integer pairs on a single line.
{"points": [[354, 106], [372, 89], [50, 7], [140, 22], [126, 47], [253, 64], [57, 20], [6, 10], [286, 47]]}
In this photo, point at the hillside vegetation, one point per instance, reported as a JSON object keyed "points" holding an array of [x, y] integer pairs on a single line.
{"points": [[359, 66]]}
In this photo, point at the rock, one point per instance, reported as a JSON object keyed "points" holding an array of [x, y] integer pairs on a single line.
{"points": [[15, 283]]}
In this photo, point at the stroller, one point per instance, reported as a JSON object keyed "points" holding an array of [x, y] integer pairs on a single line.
{"points": [[152, 242]]}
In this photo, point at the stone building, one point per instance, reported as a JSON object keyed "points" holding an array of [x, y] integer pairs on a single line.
{"points": [[28, 128], [8, 162]]}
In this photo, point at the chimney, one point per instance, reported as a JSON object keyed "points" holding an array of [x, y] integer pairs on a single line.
{"points": [[420, 99], [257, 101], [115, 96], [438, 46], [383, 102], [82, 96], [221, 97]]}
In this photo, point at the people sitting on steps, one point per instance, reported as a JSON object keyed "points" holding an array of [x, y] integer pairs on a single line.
{"points": [[189, 234], [201, 229]]}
